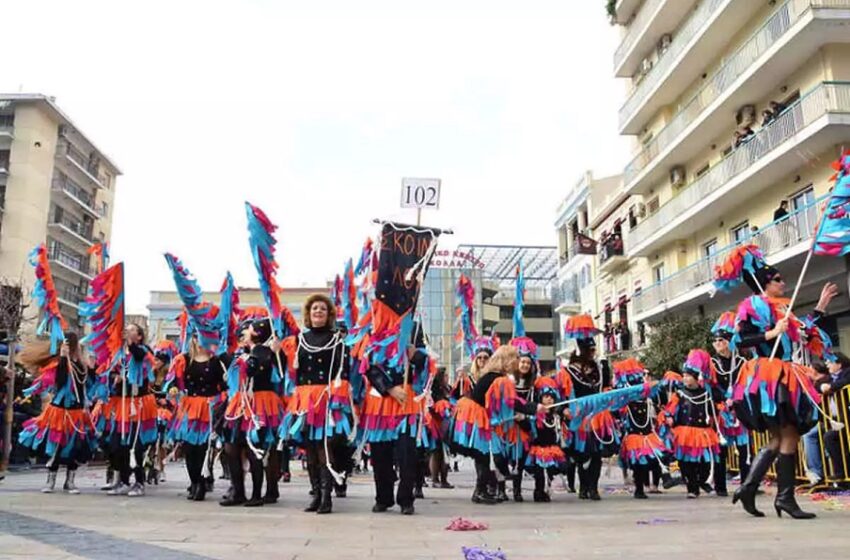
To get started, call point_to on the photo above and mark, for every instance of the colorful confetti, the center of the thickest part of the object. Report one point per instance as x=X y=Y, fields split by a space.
x=461 y=524
x=475 y=553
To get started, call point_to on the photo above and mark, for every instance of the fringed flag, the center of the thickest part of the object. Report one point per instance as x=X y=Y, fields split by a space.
x=406 y=252
x=47 y=299
x=746 y=259
x=833 y=235
x=104 y=312
x=186 y=330
x=336 y=295
x=348 y=297
x=101 y=252
x=465 y=297
x=228 y=314
x=263 y=243
x=202 y=315
x=585 y=407
x=365 y=262
x=763 y=313
x=519 y=303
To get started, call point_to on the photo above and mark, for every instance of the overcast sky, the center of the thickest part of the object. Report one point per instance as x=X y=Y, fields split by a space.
x=315 y=111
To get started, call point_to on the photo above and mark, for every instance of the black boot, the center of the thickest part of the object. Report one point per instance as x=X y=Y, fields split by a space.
x=501 y=494
x=481 y=496
x=518 y=488
x=193 y=488
x=200 y=493
x=746 y=493
x=237 y=482
x=786 y=479
x=326 y=484
x=341 y=490
x=312 y=471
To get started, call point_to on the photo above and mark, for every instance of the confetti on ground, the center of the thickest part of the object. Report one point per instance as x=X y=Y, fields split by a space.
x=475 y=553
x=461 y=524
x=657 y=521
x=833 y=501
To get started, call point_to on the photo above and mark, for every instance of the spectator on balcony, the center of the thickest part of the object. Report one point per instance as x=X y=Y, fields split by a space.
x=839 y=378
x=767 y=117
x=781 y=213
x=783 y=224
x=777 y=108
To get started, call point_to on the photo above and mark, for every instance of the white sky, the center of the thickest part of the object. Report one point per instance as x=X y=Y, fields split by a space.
x=314 y=111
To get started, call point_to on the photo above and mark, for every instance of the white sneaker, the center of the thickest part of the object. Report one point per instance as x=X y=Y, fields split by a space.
x=120 y=489
x=69 y=485
x=136 y=491
x=162 y=476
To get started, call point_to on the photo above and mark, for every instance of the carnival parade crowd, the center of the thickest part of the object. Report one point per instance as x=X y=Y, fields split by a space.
x=256 y=385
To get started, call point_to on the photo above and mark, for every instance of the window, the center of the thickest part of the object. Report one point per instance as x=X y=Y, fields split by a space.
x=710 y=248
x=702 y=171
x=632 y=218
x=536 y=312
x=740 y=233
x=506 y=311
x=727 y=150
x=542 y=339
x=104 y=209
x=658 y=272
x=652 y=206
x=804 y=213
x=7 y=121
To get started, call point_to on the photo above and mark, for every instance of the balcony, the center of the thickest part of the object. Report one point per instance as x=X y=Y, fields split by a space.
x=566 y=296
x=624 y=9
x=76 y=194
x=7 y=133
x=75 y=229
x=69 y=260
x=612 y=254
x=780 y=46
x=818 y=121
x=778 y=241
x=703 y=34
x=654 y=19
x=79 y=161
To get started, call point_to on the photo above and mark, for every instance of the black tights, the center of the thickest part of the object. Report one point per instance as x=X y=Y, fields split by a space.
x=695 y=475
x=237 y=473
x=571 y=474
x=71 y=466
x=655 y=471
x=120 y=461
x=641 y=476
x=385 y=456
x=195 y=456
x=589 y=472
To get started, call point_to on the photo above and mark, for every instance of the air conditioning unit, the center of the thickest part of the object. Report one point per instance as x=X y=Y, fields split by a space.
x=645 y=66
x=746 y=115
x=664 y=43
x=677 y=176
x=641 y=210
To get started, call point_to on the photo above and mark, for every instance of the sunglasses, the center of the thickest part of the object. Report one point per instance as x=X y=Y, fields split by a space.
x=776 y=279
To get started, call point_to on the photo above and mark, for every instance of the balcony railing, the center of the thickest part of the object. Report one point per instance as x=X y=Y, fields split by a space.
x=636 y=29
x=825 y=98
x=695 y=23
x=69 y=258
x=566 y=292
x=77 y=227
x=87 y=164
x=759 y=42
x=611 y=247
x=774 y=237
x=63 y=183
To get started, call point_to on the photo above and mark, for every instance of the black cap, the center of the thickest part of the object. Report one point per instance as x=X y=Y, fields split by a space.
x=763 y=275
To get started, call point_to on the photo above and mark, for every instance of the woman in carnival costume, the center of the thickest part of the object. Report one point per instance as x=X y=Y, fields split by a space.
x=493 y=403
x=254 y=416
x=545 y=457
x=439 y=412
x=63 y=432
x=519 y=436
x=199 y=377
x=773 y=391
x=691 y=414
x=727 y=364
x=584 y=376
x=642 y=449
x=319 y=414
x=134 y=413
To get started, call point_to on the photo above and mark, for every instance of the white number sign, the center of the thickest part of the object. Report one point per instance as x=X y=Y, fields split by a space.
x=420 y=193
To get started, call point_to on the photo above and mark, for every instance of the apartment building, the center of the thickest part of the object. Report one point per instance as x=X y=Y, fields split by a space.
x=734 y=106
x=56 y=187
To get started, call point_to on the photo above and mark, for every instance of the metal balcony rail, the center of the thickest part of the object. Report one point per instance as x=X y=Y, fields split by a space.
x=636 y=28
x=759 y=42
x=826 y=98
x=798 y=226
x=695 y=23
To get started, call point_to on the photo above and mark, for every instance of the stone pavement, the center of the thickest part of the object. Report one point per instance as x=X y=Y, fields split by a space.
x=164 y=525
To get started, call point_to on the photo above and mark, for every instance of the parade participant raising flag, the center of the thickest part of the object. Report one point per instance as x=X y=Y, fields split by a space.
x=46 y=298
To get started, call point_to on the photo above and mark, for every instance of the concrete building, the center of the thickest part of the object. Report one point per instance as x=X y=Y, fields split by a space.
x=165 y=306
x=575 y=289
x=56 y=187
x=734 y=106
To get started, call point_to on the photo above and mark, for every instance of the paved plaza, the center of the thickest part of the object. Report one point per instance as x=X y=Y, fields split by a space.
x=164 y=525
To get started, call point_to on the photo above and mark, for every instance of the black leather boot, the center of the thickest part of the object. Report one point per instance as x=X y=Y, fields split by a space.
x=314 y=488
x=746 y=493
x=326 y=485
x=481 y=496
x=501 y=494
x=786 y=479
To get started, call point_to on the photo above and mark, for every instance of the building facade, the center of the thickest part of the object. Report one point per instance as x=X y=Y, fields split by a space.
x=165 y=306
x=56 y=187
x=734 y=106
